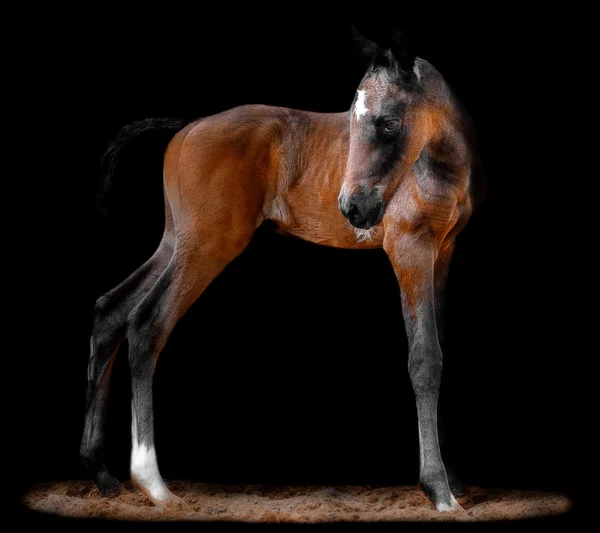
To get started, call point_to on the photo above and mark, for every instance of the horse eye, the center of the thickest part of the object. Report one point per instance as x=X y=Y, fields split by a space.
x=391 y=126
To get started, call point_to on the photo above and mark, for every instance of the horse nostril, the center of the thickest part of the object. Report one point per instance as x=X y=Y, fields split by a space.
x=352 y=210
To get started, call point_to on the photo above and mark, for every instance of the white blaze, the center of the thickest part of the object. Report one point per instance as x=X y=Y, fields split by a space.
x=360 y=108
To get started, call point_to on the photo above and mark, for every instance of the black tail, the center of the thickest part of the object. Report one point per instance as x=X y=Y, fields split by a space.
x=111 y=157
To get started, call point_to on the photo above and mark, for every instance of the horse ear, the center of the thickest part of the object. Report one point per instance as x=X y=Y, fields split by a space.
x=365 y=47
x=402 y=48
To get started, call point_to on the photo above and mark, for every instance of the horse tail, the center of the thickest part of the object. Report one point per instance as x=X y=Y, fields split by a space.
x=113 y=154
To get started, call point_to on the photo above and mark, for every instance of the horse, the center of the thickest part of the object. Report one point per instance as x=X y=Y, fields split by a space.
x=398 y=171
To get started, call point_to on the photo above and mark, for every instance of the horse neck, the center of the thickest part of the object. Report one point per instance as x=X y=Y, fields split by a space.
x=316 y=149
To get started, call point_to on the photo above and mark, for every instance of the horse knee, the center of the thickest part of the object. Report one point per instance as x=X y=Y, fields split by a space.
x=425 y=370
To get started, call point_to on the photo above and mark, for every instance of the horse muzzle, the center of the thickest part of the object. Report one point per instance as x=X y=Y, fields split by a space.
x=363 y=209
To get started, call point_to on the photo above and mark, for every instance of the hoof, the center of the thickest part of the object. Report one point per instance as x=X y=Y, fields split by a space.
x=437 y=488
x=164 y=499
x=108 y=485
x=450 y=507
x=175 y=503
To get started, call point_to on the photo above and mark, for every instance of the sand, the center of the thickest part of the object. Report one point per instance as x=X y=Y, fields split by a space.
x=259 y=503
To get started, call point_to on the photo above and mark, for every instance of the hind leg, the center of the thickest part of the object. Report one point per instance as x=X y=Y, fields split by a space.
x=194 y=265
x=108 y=332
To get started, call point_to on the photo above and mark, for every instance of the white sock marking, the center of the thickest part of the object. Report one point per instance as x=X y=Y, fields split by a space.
x=360 y=108
x=144 y=467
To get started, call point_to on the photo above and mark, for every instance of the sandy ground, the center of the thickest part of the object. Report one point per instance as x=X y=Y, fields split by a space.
x=259 y=503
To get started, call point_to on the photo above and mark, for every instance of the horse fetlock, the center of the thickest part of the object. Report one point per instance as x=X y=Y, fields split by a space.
x=153 y=487
x=91 y=456
x=108 y=485
x=145 y=474
x=437 y=488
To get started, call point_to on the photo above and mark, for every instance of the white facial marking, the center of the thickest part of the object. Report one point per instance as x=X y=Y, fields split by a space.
x=144 y=468
x=360 y=108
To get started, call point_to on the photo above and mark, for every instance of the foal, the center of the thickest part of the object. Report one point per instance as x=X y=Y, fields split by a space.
x=399 y=171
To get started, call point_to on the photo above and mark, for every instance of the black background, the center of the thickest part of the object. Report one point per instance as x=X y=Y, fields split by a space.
x=291 y=368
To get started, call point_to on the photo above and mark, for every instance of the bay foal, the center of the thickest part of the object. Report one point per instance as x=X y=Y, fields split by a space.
x=398 y=171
